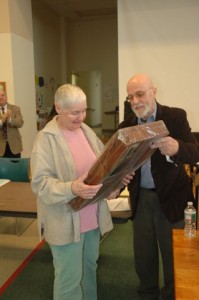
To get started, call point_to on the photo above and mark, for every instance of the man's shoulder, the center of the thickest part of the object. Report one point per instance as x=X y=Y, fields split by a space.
x=131 y=120
x=13 y=106
x=171 y=110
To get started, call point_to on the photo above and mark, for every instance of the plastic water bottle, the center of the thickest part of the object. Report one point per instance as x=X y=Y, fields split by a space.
x=190 y=220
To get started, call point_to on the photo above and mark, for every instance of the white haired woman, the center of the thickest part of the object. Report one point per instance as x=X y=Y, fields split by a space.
x=63 y=153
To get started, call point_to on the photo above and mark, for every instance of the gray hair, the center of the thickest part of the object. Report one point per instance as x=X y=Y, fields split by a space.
x=68 y=95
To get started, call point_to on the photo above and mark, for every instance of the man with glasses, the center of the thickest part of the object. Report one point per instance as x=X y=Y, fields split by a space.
x=160 y=189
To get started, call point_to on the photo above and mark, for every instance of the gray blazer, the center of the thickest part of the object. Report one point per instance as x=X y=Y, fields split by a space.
x=53 y=169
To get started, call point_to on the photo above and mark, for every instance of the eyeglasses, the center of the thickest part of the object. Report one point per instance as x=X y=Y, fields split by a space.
x=138 y=94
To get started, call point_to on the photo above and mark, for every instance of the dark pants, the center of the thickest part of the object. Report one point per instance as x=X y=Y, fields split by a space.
x=152 y=232
x=8 y=152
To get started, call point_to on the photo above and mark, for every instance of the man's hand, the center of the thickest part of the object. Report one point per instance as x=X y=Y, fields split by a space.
x=166 y=145
x=4 y=117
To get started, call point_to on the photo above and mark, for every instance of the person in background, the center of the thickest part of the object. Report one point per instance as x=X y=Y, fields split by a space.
x=127 y=109
x=49 y=117
x=10 y=121
x=63 y=152
x=160 y=189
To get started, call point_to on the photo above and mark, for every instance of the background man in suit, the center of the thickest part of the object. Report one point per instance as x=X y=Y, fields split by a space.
x=160 y=189
x=10 y=120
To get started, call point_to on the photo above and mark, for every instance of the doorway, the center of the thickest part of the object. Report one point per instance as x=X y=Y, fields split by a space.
x=90 y=83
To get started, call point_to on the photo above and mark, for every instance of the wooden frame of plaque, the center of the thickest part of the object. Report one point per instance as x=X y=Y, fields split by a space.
x=125 y=152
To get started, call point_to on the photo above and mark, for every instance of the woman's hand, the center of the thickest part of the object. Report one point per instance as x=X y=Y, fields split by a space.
x=113 y=194
x=85 y=191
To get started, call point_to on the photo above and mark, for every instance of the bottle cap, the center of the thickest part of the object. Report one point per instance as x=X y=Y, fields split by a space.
x=190 y=203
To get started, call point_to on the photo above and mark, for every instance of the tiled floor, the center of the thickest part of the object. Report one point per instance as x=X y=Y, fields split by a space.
x=15 y=249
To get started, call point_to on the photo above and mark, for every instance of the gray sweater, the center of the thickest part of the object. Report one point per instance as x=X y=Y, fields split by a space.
x=53 y=170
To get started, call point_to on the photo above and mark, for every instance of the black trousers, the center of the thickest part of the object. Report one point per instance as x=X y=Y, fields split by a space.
x=153 y=234
x=8 y=152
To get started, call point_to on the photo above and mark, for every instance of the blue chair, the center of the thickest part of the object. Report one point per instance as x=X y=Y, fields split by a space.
x=15 y=169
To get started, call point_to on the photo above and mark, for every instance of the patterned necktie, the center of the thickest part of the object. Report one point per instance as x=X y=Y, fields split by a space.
x=4 y=126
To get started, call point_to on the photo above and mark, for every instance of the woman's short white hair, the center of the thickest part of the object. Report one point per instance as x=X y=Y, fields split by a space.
x=68 y=95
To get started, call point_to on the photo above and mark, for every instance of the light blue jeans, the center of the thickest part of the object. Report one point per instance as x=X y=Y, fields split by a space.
x=75 y=268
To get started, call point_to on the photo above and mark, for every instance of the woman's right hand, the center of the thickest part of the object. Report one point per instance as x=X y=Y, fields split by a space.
x=85 y=191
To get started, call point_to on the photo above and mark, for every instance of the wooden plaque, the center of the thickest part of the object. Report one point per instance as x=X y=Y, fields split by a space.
x=125 y=152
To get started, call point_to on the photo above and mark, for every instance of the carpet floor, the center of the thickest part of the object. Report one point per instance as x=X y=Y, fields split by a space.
x=116 y=275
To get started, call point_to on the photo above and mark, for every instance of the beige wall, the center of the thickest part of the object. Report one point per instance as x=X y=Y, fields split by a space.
x=17 y=63
x=61 y=48
x=47 y=50
x=93 y=47
x=21 y=18
x=4 y=17
x=36 y=41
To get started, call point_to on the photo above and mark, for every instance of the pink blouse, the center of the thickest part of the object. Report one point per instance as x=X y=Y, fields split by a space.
x=84 y=158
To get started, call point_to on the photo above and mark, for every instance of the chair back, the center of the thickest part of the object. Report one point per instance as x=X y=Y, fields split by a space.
x=15 y=169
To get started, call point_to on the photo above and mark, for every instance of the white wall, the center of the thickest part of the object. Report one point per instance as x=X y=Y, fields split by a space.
x=161 y=38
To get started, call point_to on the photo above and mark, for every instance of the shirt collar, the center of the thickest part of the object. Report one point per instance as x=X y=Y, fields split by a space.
x=4 y=106
x=151 y=118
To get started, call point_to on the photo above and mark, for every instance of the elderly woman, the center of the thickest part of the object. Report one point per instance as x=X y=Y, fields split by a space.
x=63 y=153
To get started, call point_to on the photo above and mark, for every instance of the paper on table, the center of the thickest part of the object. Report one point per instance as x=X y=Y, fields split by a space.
x=119 y=204
x=4 y=181
x=124 y=193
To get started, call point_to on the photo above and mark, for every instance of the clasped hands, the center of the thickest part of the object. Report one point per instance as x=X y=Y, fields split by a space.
x=85 y=191
x=6 y=116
